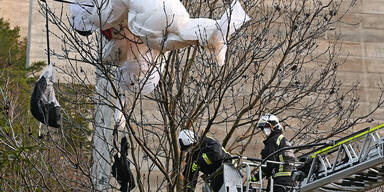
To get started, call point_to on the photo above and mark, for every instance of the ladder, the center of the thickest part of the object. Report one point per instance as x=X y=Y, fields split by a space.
x=352 y=163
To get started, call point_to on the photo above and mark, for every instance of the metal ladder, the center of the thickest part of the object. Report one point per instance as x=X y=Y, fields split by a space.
x=237 y=178
x=354 y=163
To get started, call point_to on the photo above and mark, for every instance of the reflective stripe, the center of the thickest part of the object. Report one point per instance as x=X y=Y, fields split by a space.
x=281 y=159
x=206 y=159
x=281 y=174
x=235 y=163
x=281 y=166
x=194 y=167
x=279 y=140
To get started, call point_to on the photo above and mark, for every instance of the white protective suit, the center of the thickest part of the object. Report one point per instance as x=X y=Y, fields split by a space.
x=139 y=66
x=162 y=25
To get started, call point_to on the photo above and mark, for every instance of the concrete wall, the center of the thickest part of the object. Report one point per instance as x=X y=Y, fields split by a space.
x=17 y=13
x=363 y=46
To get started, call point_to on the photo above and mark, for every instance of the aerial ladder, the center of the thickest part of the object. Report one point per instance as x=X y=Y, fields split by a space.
x=352 y=163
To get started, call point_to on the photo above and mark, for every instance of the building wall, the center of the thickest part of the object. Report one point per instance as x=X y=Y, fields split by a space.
x=17 y=13
x=364 y=50
x=362 y=33
x=363 y=43
x=363 y=46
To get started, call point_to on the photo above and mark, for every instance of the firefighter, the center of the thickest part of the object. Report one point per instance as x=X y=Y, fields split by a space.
x=207 y=158
x=275 y=140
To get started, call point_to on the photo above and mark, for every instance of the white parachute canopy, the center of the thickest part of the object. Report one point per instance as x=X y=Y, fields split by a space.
x=43 y=104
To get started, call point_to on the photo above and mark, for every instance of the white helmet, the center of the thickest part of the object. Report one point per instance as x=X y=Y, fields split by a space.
x=186 y=139
x=268 y=119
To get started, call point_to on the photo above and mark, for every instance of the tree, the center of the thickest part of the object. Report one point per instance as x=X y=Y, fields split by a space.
x=12 y=49
x=17 y=147
x=274 y=64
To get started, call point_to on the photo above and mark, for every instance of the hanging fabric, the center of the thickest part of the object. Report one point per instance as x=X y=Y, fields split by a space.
x=43 y=104
x=120 y=168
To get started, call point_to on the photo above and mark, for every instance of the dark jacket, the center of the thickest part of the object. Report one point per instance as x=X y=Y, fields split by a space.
x=207 y=159
x=280 y=173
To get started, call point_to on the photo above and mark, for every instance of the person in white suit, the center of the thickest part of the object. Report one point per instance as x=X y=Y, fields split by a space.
x=163 y=25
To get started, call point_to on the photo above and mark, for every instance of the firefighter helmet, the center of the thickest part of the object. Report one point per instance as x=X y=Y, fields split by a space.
x=186 y=139
x=268 y=119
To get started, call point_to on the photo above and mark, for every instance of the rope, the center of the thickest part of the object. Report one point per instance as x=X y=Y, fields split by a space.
x=47 y=31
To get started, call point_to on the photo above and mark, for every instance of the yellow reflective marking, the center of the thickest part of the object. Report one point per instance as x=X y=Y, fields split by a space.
x=194 y=167
x=349 y=139
x=206 y=159
x=279 y=140
x=280 y=174
x=281 y=167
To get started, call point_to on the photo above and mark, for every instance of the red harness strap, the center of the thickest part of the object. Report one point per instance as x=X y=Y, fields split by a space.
x=107 y=33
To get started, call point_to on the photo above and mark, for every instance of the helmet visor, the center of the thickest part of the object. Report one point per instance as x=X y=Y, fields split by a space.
x=182 y=146
x=262 y=125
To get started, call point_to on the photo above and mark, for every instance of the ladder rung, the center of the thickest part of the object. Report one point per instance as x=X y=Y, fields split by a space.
x=354 y=163
x=379 y=173
x=337 y=187
x=367 y=174
x=351 y=183
x=366 y=178
x=380 y=169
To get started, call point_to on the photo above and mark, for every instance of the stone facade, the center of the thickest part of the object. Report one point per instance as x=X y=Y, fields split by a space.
x=362 y=33
x=363 y=43
x=363 y=46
